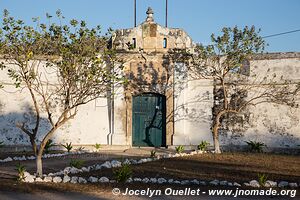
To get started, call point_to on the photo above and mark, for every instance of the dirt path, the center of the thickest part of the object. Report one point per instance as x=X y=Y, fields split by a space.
x=77 y=196
x=8 y=170
x=47 y=196
x=227 y=166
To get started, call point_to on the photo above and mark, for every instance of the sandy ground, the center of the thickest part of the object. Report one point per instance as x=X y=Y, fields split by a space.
x=8 y=170
x=11 y=190
x=76 y=196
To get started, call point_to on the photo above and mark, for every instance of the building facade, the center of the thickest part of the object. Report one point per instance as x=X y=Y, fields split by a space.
x=162 y=105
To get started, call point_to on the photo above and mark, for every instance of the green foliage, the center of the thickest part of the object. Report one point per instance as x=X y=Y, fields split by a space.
x=81 y=70
x=68 y=146
x=21 y=170
x=256 y=146
x=81 y=148
x=203 y=145
x=48 y=146
x=75 y=52
x=153 y=154
x=262 y=179
x=223 y=61
x=123 y=173
x=1 y=144
x=130 y=46
x=97 y=146
x=76 y=163
x=179 y=149
x=237 y=44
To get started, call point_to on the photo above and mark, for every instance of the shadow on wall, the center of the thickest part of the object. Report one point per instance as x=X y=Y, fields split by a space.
x=274 y=136
x=10 y=134
x=190 y=110
x=154 y=77
x=146 y=77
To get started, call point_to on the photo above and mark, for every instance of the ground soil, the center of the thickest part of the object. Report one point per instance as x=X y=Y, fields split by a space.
x=239 y=167
x=8 y=169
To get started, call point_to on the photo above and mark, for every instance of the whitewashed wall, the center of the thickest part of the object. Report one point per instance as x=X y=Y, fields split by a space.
x=278 y=126
x=89 y=126
x=275 y=125
x=193 y=104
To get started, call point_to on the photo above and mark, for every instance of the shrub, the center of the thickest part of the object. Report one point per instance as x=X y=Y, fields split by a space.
x=203 y=145
x=81 y=148
x=262 y=179
x=48 y=146
x=21 y=170
x=152 y=153
x=123 y=173
x=179 y=149
x=97 y=146
x=68 y=146
x=76 y=163
x=256 y=146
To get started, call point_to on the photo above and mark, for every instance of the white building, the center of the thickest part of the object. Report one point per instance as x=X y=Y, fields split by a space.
x=162 y=106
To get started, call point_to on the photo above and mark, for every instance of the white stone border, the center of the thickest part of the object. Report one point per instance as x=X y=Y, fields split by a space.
x=56 y=177
x=22 y=158
x=81 y=180
x=116 y=163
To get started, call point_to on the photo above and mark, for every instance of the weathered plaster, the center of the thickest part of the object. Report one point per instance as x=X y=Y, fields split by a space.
x=148 y=67
x=190 y=102
x=276 y=125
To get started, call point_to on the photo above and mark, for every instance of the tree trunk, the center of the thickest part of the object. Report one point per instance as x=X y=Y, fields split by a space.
x=62 y=120
x=216 y=131
x=33 y=145
x=39 y=165
x=216 y=137
x=216 y=127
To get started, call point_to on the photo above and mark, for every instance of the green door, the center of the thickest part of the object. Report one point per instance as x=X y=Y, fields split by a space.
x=149 y=120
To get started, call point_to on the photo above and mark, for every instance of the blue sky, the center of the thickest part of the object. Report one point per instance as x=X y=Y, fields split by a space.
x=199 y=18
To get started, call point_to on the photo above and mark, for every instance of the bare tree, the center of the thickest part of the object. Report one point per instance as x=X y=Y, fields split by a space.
x=61 y=66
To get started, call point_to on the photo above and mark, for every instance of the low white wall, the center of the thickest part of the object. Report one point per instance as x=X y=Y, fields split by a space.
x=278 y=126
x=193 y=111
x=90 y=125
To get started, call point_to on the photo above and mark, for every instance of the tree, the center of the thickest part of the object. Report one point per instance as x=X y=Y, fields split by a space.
x=61 y=66
x=235 y=88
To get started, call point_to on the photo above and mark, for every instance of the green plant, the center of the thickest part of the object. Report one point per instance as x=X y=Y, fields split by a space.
x=262 y=179
x=256 y=146
x=203 y=145
x=81 y=148
x=97 y=146
x=68 y=146
x=76 y=163
x=81 y=70
x=152 y=153
x=48 y=145
x=123 y=173
x=21 y=171
x=179 y=149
